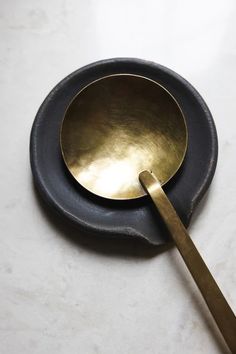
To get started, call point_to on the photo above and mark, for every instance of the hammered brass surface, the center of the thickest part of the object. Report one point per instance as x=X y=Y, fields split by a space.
x=118 y=126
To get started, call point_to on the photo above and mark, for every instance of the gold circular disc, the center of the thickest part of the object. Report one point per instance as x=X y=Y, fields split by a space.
x=117 y=127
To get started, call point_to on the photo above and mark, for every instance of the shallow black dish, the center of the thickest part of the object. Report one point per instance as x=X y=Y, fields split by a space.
x=133 y=219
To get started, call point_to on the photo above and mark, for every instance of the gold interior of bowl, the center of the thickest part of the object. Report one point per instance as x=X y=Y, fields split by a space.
x=118 y=126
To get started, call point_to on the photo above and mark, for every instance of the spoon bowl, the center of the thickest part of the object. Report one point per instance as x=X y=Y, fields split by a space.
x=118 y=126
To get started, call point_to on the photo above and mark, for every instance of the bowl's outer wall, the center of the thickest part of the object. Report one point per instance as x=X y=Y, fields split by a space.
x=138 y=218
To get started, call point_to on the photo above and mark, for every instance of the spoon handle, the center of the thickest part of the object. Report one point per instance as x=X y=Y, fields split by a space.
x=216 y=302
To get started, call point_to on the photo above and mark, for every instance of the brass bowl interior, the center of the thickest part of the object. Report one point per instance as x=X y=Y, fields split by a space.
x=117 y=127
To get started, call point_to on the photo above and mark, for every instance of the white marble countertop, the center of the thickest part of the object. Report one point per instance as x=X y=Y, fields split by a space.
x=60 y=296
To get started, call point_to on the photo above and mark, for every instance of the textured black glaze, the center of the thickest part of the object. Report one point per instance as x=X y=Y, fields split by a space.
x=98 y=216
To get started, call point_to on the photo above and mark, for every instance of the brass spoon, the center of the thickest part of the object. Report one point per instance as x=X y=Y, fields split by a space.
x=124 y=128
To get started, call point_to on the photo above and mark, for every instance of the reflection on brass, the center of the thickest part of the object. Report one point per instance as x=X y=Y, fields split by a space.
x=118 y=126
x=212 y=294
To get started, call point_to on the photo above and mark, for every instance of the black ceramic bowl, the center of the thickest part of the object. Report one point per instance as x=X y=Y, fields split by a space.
x=132 y=219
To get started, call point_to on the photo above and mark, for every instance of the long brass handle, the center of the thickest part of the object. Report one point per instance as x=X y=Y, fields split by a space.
x=216 y=302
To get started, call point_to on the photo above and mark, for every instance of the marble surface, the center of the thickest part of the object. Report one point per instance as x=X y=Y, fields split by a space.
x=59 y=292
